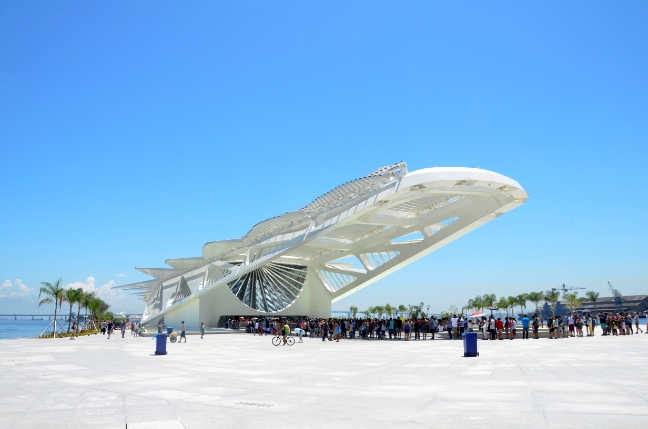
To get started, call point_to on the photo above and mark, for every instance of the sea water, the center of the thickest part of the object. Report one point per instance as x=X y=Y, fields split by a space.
x=23 y=328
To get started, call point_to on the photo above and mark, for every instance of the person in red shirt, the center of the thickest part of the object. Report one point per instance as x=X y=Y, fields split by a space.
x=500 y=327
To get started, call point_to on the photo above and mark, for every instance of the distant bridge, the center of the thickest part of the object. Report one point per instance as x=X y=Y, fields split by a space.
x=34 y=316
x=59 y=316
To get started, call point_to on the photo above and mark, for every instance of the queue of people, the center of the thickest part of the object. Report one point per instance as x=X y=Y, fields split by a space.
x=351 y=328
x=424 y=328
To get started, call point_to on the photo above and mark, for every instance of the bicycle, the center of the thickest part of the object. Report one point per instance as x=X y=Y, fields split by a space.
x=278 y=339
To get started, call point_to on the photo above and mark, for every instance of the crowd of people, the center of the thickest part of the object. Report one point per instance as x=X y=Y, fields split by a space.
x=424 y=328
x=109 y=326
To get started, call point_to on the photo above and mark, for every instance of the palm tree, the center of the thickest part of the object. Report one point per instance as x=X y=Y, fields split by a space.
x=521 y=301
x=503 y=304
x=380 y=310
x=389 y=310
x=552 y=297
x=402 y=309
x=478 y=303
x=54 y=294
x=353 y=310
x=573 y=301
x=98 y=307
x=512 y=303
x=536 y=298
x=86 y=300
x=592 y=297
x=469 y=305
x=71 y=298
x=79 y=301
x=489 y=301
x=93 y=305
x=415 y=310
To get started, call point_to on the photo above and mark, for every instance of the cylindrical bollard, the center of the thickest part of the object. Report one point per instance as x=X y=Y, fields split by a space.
x=160 y=344
x=169 y=330
x=470 y=344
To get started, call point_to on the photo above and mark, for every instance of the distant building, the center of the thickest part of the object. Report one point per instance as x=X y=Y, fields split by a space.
x=608 y=304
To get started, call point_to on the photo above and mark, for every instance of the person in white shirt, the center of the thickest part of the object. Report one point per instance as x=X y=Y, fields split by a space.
x=484 y=324
x=570 y=322
x=455 y=329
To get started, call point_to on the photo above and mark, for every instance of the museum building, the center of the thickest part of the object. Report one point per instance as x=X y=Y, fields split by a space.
x=299 y=263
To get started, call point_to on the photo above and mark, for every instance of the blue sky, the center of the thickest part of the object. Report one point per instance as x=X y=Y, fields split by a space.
x=133 y=132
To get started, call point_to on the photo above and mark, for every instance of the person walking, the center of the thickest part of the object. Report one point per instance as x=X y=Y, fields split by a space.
x=74 y=328
x=122 y=327
x=109 y=327
x=325 y=334
x=337 y=332
x=103 y=327
x=160 y=327
x=183 y=333
x=536 y=324
x=202 y=330
x=636 y=320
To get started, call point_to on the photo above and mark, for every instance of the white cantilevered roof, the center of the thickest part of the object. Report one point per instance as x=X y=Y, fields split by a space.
x=363 y=218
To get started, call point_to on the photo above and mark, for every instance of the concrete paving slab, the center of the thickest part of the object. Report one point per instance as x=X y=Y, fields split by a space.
x=241 y=381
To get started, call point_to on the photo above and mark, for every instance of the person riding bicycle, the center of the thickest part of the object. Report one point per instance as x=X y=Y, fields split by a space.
x=285 y=331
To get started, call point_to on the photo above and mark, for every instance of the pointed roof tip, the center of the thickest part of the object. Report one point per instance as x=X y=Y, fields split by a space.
x=185 y=263
x=215 y=248
x=158 y=273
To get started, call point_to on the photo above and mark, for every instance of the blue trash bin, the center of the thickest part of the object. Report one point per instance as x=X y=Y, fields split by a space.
x=169 y=330
x=470 y=344
x=160 y=344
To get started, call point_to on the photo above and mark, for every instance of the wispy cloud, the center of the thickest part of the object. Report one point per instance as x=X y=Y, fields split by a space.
x=16 y=289
x=105 y=291
x=122 y=275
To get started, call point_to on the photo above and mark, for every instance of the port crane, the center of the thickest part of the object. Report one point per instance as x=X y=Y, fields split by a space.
x=618 y=298
x=564 y=289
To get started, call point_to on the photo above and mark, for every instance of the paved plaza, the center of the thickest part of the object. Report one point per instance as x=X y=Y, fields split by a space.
x=241 y=381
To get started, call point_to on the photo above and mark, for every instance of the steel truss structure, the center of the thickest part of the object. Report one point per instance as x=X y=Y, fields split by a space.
x=342 y=241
